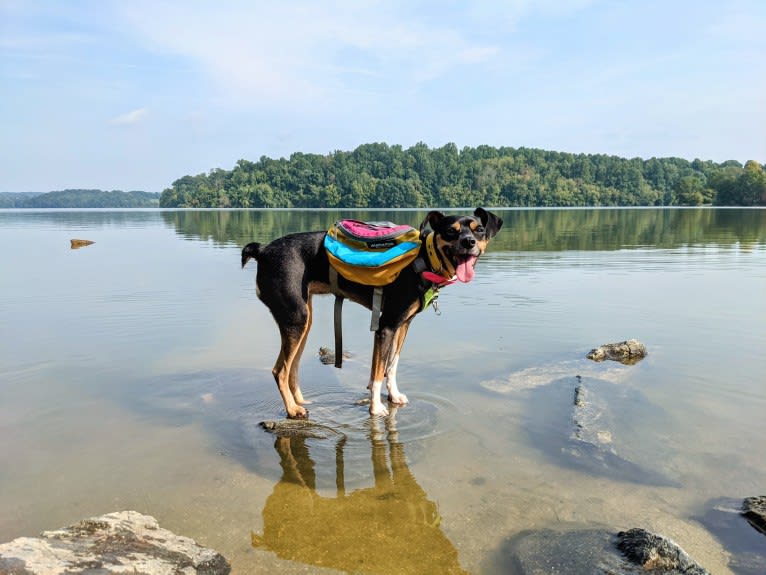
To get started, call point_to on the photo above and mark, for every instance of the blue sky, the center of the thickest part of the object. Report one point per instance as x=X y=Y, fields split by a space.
x=135 y=94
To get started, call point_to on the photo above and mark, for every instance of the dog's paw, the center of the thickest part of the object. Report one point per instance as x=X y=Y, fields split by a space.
x=398 y=398
x=378 y=409
x=298 y=413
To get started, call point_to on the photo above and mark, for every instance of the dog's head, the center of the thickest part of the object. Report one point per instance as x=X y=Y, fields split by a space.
x=460 y=240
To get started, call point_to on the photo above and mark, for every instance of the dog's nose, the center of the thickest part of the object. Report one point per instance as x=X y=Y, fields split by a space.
x=468 y=242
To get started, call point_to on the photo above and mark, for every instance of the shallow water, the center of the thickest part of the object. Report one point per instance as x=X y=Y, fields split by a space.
x=134 y=373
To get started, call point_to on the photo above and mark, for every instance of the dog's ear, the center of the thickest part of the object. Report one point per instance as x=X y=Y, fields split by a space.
x=432 y=219
x=490 y=221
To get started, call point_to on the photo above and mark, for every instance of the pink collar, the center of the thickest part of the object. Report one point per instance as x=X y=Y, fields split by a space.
x=440 y=281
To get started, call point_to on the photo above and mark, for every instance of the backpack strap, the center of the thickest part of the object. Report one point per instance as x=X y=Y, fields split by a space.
x=337 y=317
x=377 y=308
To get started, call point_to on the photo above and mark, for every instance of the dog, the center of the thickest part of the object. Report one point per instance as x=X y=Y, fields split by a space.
x=295 y=267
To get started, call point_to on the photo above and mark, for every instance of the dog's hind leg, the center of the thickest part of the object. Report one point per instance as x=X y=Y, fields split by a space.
x=394 y=395
x=293 y=338
x=295 y=387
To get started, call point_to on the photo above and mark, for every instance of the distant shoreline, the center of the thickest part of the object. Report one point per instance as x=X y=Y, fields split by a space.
x=79 y=199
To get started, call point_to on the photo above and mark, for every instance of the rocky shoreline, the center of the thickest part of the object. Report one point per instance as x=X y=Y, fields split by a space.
x=130 y=542
x=121 y=542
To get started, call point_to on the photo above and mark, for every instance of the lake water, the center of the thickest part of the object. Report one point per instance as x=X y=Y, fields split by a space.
x=134 y=373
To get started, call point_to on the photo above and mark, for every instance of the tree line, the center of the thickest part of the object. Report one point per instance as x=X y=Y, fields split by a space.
x=382 y=176
x=80 y=199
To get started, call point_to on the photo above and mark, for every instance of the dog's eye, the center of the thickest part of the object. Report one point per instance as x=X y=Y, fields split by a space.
x=450 y=233
x=479 y=229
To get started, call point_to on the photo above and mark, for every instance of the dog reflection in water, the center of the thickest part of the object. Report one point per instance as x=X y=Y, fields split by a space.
x=390 y=527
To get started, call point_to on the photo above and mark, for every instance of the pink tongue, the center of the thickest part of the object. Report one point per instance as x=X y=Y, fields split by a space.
x=465 y=271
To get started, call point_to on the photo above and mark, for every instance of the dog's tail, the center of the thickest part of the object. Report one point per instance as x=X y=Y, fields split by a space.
x=250 y=251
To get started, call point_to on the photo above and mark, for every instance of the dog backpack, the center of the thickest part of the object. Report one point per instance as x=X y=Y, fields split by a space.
x=371 y=253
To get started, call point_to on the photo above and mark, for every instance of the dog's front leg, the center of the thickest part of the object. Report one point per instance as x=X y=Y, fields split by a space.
x=381 y=351
x=394 y=395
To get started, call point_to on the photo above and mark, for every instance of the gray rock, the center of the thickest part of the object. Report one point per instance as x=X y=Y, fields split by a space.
x=592 y=552
x=122 y=542
x=628 y=352
x=754 y=510
x=327 y=355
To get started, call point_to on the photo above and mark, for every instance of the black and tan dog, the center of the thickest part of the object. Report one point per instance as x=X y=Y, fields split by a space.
x=293 y=268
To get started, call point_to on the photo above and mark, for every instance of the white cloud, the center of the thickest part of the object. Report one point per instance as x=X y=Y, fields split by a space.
x=297 y=52
x=132 y=117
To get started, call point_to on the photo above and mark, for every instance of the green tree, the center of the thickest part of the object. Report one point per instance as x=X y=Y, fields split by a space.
x=691 y=191
x=752 y=184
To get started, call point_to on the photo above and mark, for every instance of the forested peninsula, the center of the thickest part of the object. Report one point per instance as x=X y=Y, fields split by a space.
x=382 y=176
x=80 y=199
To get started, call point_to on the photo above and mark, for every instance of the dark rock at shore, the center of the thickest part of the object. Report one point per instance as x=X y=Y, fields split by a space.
x=656 y=553
x=592 y=552
x=754 y=510
x=628 y=352
x=726 y=519
x=122 y=542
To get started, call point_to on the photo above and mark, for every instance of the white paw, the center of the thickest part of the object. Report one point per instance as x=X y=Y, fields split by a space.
x=377 y=408
x=398 y=398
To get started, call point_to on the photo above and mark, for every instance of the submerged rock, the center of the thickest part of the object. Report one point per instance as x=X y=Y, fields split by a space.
x=300 y=428
x=122 y=542
x=628 y=352
x=593 y=552
x=601 y=430
x=590 y=419
x=539 y=376
x=77 y=244
x=327 y=356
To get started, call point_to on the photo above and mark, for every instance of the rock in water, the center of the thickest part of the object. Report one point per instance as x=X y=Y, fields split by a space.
x=656 y=553
x=628 y=352
x=592 y=552
x=754 y=510
x=301 y=428
x=122 y=542
x=327 y=356
x=77 y=244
